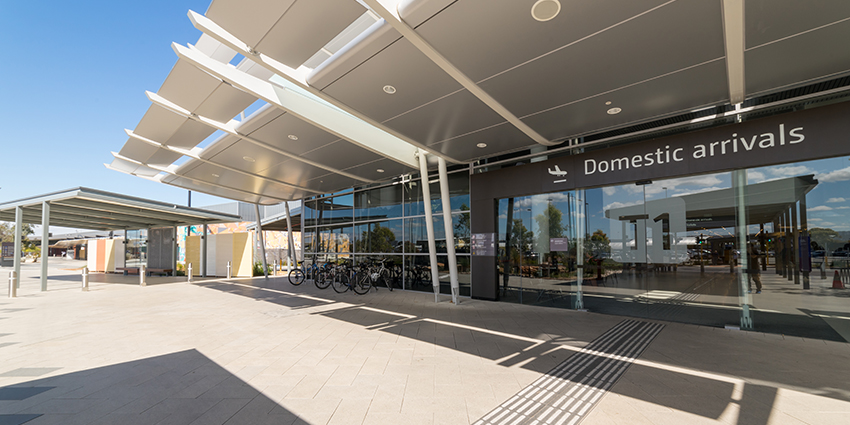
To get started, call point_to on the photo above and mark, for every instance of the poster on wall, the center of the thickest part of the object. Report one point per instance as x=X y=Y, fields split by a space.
x=484 y=244
x=559 y=244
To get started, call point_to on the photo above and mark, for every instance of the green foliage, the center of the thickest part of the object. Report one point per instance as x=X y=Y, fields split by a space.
x=258 y=269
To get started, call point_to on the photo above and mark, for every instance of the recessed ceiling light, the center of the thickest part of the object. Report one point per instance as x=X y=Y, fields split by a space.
x=615 y=111
x=380 y=170
x=481 y=145
x=215 y=175
x=389 y=89
x=608 y=102
x=545 y=10
x=248 y=158
x=292 y=137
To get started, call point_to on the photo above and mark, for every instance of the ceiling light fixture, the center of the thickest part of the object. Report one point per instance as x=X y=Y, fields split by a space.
x=608 y=102
x=215 y=175
x=481 y=145
x=249 y=159
x=292 y=137
x=615 y=111
x=380 y=170
x=389 y=89
x=545 y=10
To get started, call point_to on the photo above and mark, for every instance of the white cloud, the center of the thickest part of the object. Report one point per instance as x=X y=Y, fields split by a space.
x=835 y=176
x=827 y=224
x=842 y=208
x=790 y=171
x=815 y=219
x=755 y=177
x=835 y=200
x=610 y=190
x=820 y=208
x=620 y=205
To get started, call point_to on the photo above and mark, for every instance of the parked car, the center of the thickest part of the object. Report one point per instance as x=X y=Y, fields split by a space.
x=841 y=252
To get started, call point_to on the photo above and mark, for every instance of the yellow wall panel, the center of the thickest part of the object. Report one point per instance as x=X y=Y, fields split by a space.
x=242 y=257
x=193 y=254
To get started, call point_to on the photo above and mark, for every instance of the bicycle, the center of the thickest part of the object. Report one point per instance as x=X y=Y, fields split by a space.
x=349 y=273
x=298 y=274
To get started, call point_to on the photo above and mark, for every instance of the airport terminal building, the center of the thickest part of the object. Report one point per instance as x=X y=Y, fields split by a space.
x=681 y=160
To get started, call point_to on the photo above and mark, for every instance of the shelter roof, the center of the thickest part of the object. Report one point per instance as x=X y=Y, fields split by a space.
x=85 y=208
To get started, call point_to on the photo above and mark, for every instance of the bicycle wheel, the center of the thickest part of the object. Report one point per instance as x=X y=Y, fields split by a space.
x=296 y=276
x=385 y=277
x=323 y=280
x=363 y=285
x=340 y=282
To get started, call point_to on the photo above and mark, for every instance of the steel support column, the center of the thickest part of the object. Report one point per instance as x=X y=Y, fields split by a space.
x=204 y=251
x=19 y=224
x=261 y=240
x=290 y=238
x=447 y=221
x=429 y=224
x=174 y=251
x=45 y=242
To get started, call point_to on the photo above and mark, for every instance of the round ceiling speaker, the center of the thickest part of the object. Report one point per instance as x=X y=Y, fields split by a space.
x=545 y=10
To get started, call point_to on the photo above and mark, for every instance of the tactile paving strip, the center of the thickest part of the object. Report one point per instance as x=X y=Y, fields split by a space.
x=566 y=394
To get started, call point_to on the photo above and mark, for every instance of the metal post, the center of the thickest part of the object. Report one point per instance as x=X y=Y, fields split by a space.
x=174 y=251
x=85 y=279
x=45 y=242
x=261 y=240
x=19 y=224
x=290 y=238
x=13 y=284
x=739 y=185
x=447 y=222
x=429 y=224
x=189 y=272
x=142 y=275
x=581 y=208
x=795 y=256
x=204 y=252
x=229 y=274
x=804 y=234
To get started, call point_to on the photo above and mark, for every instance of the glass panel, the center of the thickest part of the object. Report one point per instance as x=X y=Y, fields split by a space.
x=537 y=250
x=309 y=240
x=135 y=254
x=458 y=195
x=378 y=237
x=417 y=273
x=334 y=239
x=384 y=202
x=665 y=250
x=798 y=218
x=310 y=215
x=336 y=210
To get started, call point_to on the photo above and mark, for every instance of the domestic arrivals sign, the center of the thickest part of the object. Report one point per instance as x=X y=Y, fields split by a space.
x=800 y=136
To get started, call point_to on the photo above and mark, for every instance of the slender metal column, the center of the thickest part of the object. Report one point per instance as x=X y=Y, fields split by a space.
x=580 y=241
x=174 y=251
x=19 y=223
x=290 y=237
x=450 y=234
x=429 y=224
x=739 y=185
x=45 y=242
x=204 y=251
x=804 y=234
x=795 y=256
x=261 y=240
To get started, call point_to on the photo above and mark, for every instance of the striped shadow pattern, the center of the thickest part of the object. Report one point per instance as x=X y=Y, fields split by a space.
x=566 y=394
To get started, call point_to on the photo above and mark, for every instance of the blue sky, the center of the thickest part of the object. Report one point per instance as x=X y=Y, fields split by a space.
x=74 y=77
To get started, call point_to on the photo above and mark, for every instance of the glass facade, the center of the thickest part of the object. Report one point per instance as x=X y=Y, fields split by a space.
x=136 y=251
x=758 y=248
x=389 y=222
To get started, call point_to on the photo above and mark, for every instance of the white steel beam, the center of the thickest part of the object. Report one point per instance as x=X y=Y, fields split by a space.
x=429 y=225
x=293 y=260
x=230 y=128
x=438 y=59
x=312 y=110
x=210 y=28
x=197 y=157
x=447 y=222
x=167 y=171
x=261 y=240
x=733 y=31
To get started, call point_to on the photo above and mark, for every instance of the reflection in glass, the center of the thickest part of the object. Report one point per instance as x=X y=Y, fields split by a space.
x=383 y=202
x=378 y=237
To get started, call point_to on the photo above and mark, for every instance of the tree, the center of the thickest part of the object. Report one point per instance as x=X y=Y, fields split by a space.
x=598 y=244
x=550 y=223
x=378 y=239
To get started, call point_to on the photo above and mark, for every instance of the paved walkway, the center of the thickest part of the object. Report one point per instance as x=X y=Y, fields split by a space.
x=251 y=351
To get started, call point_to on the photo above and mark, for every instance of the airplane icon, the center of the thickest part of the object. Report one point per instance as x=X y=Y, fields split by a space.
x=557 y=172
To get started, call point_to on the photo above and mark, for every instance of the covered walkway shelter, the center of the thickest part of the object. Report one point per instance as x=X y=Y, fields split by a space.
x=85 y=208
